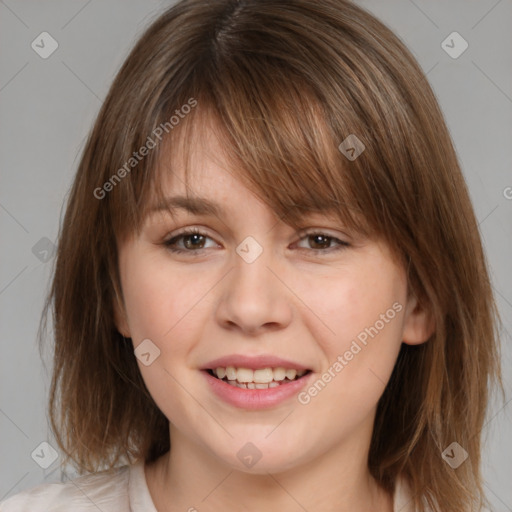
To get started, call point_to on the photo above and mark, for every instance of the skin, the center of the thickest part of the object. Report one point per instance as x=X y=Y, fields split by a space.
x=201 y=305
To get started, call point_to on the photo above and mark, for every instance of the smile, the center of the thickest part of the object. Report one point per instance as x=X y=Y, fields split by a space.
x=244 y=388
x=263 y=378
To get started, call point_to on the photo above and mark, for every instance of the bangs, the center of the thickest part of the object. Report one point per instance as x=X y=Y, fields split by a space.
x=280 y=109
x=274 y=137
x=281 y=86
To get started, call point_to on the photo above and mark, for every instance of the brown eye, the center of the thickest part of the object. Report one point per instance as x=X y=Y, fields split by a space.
x=319 y=241
x=322 y=242
x=193 y=241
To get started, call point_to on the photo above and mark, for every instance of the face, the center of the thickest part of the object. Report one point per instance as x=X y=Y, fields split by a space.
x=248 y=295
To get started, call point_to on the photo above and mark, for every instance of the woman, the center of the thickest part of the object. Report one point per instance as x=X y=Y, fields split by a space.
x=270 y=290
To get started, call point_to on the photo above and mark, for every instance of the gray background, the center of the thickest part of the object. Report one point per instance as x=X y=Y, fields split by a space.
x=48 y=105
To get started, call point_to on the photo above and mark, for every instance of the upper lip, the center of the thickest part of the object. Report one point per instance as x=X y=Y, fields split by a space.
x=253 y=362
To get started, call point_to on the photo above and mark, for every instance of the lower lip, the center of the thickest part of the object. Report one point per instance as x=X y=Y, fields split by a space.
x=255 y=398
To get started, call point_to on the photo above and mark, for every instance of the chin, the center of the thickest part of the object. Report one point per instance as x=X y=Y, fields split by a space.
x=263 y=467
x=260 y=458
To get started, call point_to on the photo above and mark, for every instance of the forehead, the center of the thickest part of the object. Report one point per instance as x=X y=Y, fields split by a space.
x=201 y=165
x=198 y=177
x=206 y=168
x=205 y=182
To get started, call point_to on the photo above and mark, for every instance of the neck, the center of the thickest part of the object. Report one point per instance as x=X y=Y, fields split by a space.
x=191 y=479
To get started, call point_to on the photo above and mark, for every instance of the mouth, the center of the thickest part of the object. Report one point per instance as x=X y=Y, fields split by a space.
x=262 y=378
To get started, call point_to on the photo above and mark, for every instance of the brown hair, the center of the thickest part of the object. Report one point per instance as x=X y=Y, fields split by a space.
x=286 y=82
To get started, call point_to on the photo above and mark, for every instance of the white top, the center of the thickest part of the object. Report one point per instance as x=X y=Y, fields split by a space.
x=121 y=489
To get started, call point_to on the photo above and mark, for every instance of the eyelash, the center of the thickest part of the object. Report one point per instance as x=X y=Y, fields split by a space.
x=170 y=244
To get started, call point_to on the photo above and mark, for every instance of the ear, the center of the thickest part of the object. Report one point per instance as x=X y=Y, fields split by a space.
x=419 y=323
x=120 y=319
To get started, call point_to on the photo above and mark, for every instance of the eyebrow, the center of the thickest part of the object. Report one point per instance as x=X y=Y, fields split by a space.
x=197 y=205
x=194 y=204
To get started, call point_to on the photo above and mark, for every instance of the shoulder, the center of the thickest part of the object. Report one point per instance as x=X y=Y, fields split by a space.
x=106 y=490
x=402 y=499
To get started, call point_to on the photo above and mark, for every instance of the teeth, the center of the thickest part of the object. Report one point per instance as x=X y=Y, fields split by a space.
x=230 y=373
x=279 y=374
x=257 y=379
x=291 y=374
x=244 y=375
x=263 y=376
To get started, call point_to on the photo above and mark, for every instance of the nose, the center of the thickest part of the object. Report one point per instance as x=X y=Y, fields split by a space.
x=254 y=298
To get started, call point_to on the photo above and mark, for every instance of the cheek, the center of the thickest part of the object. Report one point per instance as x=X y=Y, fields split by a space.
x=359 y=358
x=149 y=308
x=160 y=307
x=349 y=304
x=157 y=302
x=362 y=321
